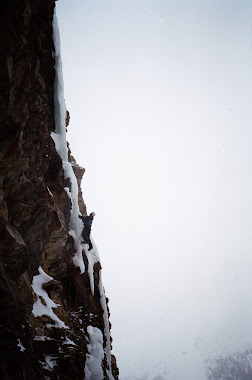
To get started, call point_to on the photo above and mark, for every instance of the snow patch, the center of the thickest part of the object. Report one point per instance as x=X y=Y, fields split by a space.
x=68 y=193
x=49 y=363
x=106 y=327
x=42 y=338
x=22 y=348
x=49 y=191
x=93 y=365
x=39 y=308
x=69 y=342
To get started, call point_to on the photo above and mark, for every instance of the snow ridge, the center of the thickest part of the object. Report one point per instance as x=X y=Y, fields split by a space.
x=59 y=137
x=106 y=326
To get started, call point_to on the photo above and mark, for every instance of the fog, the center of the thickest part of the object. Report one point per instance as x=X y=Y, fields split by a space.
x=159 y=94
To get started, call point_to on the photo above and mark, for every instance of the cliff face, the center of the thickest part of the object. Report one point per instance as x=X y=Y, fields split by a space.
x=53 y=311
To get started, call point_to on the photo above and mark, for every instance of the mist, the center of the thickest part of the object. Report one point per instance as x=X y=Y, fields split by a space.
x=159 y=94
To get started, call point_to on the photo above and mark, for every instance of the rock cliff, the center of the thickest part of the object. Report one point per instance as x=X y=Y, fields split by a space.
x=53 y=311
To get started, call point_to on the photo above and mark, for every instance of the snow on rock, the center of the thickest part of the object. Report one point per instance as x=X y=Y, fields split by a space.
x=49 y=363
x=93 y=366
x=22 y=348
x=59 y=137
x=106 y=327
x=69 y=342
x=49 y=191
x=42 y=338
x=93 y=257
x=39 y=308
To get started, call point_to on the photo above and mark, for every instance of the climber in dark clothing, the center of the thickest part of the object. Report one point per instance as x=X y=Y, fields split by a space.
x=87 y=221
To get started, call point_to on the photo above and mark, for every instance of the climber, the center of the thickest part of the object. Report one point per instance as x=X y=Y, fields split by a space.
x=87 y=221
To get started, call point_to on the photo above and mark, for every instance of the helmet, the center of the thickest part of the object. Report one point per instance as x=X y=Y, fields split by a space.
x=92 y=214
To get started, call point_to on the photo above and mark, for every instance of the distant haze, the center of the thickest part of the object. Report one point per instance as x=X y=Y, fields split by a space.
x=159 y=94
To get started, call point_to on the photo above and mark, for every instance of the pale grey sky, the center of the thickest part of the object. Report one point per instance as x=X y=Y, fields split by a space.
x=159 y=94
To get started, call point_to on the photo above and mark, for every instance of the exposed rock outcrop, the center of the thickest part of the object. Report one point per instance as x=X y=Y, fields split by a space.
x=37 y=271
